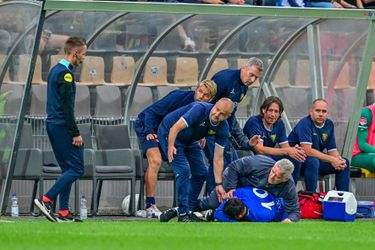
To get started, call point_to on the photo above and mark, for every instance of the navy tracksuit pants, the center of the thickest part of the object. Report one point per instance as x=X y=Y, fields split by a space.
x=312 y=168
x=189 y=168
x=70 y=159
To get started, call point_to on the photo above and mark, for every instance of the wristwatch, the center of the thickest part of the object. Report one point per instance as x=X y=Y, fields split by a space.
x=219 y=184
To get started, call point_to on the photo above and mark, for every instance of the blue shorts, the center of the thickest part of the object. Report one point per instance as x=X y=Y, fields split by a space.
x=163 y=142
x=144 y=144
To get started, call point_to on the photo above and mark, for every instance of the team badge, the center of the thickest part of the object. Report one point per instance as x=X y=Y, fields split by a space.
x=362 y=121
x=273 y=138
x=68 y=77
x=211 y=132
x=324 y=136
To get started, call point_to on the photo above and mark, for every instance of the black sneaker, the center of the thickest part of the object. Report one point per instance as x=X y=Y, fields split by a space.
x=189 y=217
x=67 y=218
x=168 y=215
x=46 y=209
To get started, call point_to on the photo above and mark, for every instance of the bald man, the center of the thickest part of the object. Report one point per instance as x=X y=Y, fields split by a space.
x=315 y=133
x=179 y=134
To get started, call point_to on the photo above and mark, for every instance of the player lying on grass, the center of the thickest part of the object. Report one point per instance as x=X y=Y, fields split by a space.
x=254 y=171
x=251 y=204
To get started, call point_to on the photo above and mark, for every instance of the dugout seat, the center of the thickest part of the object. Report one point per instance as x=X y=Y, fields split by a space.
x=108 y=105
x=122 y=74
x=92 y=71
x=82 y=104
x=114 y=160
x=29 y=159
x=186 y=73
x=142 y=99
x=23 y=70
x=155 y=75
x=122 y=71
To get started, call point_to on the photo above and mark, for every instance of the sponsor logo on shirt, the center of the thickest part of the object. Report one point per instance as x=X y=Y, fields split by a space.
x=363 y=121
x=324 y=136
x=202 y=124
x=273 y=137
x=68 y=77
x=211 y=132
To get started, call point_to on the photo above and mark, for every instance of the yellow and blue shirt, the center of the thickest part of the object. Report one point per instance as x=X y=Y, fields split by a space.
x=255 y=126
x=321 y=138
x=196 y=117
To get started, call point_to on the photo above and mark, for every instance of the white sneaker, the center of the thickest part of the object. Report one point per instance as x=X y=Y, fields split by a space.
x=153 y=212
x=199 y=215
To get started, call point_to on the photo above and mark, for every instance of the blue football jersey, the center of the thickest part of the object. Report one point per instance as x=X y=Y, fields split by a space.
x=262 y=206
x=153 y=114
x=255 y=126
x=196 y=117
x=229 y=85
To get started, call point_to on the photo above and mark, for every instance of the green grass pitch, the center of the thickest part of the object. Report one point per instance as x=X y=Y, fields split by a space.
x=97 y=234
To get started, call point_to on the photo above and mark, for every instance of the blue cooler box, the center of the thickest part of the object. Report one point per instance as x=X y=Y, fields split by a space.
x=366 y=209
x=339 y=206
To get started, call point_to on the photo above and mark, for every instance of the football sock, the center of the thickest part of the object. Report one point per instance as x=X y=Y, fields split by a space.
x=150 y=201
x=46 y=199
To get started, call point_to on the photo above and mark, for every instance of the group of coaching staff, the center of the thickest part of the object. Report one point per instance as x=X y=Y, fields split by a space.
x=179 y=137
x=177 y=128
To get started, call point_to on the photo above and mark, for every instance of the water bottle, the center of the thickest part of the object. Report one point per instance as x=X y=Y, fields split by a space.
x=151 y=214
x=141 y=213
x=14 y=205
x=83 y=208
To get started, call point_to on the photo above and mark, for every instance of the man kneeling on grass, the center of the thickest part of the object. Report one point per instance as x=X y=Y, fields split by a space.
x=257 y=171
